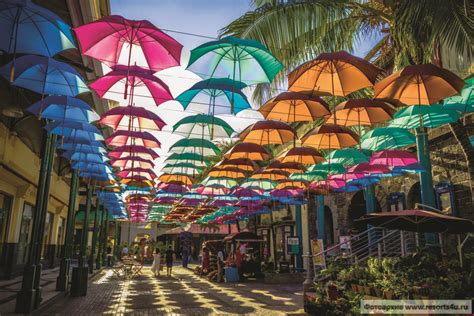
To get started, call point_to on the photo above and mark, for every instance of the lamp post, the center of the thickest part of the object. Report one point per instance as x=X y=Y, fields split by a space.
x=92 y=255
x=66 y=255
x=320 y=217
x=27 y=296
x=80 y=273
x=106 y=234
x=299 y=233
x=99 y=260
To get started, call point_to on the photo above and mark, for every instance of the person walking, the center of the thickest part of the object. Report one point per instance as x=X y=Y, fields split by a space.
x=220 y=266
x=155 y=267
x=169 y=256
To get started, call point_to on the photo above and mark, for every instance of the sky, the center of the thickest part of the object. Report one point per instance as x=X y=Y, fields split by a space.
x=176 y=17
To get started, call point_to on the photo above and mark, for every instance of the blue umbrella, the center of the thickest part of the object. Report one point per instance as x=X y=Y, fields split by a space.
x=74 y=130
x=27 y=28
x=414 y=168
x=64 y=109
x=45 y=76
x=92 y=167
x=86 y=149
x=88 y=157
x=68 y=143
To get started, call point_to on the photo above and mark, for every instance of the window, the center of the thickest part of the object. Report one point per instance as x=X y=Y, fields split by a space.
x=48 y=229
x=25 y=233
x=5 y=209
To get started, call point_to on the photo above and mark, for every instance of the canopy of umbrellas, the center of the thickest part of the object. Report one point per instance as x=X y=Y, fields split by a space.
x=354 y=145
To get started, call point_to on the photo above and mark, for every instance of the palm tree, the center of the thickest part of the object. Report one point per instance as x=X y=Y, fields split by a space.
x=406 y=31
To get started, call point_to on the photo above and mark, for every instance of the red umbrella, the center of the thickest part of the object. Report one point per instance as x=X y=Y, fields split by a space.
x=125 y=137
x=137 y=151
x=132 y=161
x=124 y=117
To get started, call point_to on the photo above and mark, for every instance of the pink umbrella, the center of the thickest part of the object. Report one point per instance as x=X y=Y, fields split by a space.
x=114 y=40
x=133 y=177
x=245 y=192
x=172 y=187
x=325 y=184
x=125 y=117
x=346 y=176
x=366 y=168
x=393 y=158
x=190 y=202
x=165 y=200
x=125 y=137
x=132 y=162
x=221 y=203
x=212 y=191
x=145 y=89
x=251 y=203
x=147 y=173
x=137 y=151
x=286 y=192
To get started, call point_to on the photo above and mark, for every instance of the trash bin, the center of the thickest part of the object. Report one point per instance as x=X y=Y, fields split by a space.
x=231 y=274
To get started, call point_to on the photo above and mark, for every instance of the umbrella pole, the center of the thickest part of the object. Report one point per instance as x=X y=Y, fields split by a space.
x=320 y=220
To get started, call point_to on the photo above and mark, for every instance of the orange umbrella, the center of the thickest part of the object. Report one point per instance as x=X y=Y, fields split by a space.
x=419 y=84
x=294 y=107
x=365 y=112
x=239 y=163
x=337 y=73
x=137 y=183
x=176 y=178
x=289 y=167
x=268 y=132
x=251 y=151
x=330 y=136
x=227 y=173
x=274 y=175
x=302 y=155
x=292 y=184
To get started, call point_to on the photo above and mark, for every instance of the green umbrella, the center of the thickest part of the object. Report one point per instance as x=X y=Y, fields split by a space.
x=309 y=176
x=193 y=158
x=382 y=138
x=219 y=182
x=424 y=116
x=257 y=184
x=325 y=167
x=239 y=59
x=203 y=147
x=182 y=168
x=203 y=126
x=215 y=96
x=347 y=156
x=463 y=102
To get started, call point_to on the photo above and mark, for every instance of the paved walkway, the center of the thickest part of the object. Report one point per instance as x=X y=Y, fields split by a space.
x=184 y=293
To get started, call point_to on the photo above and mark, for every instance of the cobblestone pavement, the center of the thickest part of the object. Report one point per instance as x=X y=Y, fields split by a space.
x=182 y=294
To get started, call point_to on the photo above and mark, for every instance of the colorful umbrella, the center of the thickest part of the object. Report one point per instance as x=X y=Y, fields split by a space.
x=182 y=168
x=75 y=130
x=175 y=178
x=192 y=158
x=463 y=102
x=382 y=138
x=147 y=173
x=368 y=169
x=234 y=173
x=215 y=96
x=115 y=40
x=302 y=155
x=250 y=151
x=347 y=156
x=258 y=184
x=63 y=108
x=126 y=117
x=88 y=157
x=292 y=184
x=393 y=158
x=143 y=87
x=240 y=59
x=212 y=190
x=219 y=182
x=424 y=116
x=245 y=192
x=202 y=147
x=327 y=168
x=204 y=126
x=133 y=150
x=239 y=163
x=308 y=176
x=362 y=112
x=132 y=161
x=274 y=175
x=330 y=136
x=294 y=107
x=267 y=132
x=125 y=137
x=289 y=167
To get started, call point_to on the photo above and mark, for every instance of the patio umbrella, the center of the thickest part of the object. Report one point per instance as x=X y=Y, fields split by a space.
x=132 y=161
x=63 y=108
x=115 y=40
x=419 y=221
x=330 y=136
x=382 y=138
x=124 y=117
x=133 y=150
x=302 y=155
x=199 y=146
x=337 y=73
x=45 y=76
x=126 y=137
x=239 y=59
x=416 y=116
x=215 y=96
x=27 y=28
x=204 y=126
x=143 y=87
x=393 y=158
x=175 y=178
x=347 y=156
x=267 y=132
x=193 y=158
x=294 y=107
x=250 y=151
x=362 y=112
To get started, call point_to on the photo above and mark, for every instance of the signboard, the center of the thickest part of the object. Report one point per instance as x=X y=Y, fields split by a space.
x=317 y=247
x=292 y=245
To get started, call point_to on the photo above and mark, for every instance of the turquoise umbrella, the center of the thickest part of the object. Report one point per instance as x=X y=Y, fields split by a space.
x=182 y=168
x=223 y=182
x=200 y=146
x=239 y=59
x=382 y=138
x=215 y=96
x=347 y=156
x=309 y=176
x=424 y=116
x=203 y=126
x=333 y=168
x=259 y=184
x=193 y=158
x=463 y=102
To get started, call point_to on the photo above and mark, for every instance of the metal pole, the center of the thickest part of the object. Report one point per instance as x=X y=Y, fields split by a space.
x=299 y=233
x=98 y=261
x=92 y=255
x=320 y=218
x=25 y=300
x=66 y=256
x=106 y=236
